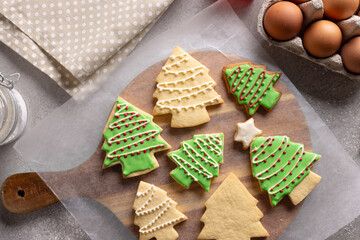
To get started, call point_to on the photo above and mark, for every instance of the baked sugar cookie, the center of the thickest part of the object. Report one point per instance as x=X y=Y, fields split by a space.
x=198 y=160
x=131 y=139
x=184 y=90
x=156 y=213
x=252 y=85
x=231 y=213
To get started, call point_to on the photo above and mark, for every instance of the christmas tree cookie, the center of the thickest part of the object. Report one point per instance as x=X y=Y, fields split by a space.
x=252 y=86
x=156 y=213
x=131 y=139
x=184 y=90
x=283 y=168
x=231 y=213
x=198 y=160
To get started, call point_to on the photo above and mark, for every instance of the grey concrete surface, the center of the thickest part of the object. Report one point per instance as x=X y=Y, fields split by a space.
x=333 y=96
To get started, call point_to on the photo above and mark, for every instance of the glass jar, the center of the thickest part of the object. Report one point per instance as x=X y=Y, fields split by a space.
x=13 y=111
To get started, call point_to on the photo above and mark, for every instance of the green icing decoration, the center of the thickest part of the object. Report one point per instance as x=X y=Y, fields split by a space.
x=253 y=86
x=280 y=165
x=198 y=160
x=130 y=138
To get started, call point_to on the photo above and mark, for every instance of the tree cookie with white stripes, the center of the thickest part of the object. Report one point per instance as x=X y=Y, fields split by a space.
x=156 y=213
x=184 y=90
x=198 y=160
x=131 y=139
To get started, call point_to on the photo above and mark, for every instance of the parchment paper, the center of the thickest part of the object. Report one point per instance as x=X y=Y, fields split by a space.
x=70 y=134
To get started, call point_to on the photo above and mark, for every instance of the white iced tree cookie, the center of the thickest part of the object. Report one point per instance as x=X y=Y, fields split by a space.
x=184 y=90
x=156 y=213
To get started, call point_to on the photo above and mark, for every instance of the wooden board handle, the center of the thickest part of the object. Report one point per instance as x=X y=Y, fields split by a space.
x=26 y=192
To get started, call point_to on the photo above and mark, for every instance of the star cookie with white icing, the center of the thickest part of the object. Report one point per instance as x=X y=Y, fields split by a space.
x=246 y=132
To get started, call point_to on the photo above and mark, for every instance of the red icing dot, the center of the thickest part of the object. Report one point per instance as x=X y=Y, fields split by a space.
x=112 y=129
x=283 y=142
x=282 y=169
x=126 y=125
x=267 y=170
x=118 y=106
x=118 y=157
x=131 y=118
x=196 y=170
x=141 y=142
x=122 y=149
x=284 y=179
x=281 y=190
x=138 y=153
x=298 y=177
x=263 y=152
x=118 y=127
x=130 y=131
x=118 y=142
x=268 y=178
x=126 y=107
x=284 y=152
x=202 y=159
x=288 y=145
x=153 y=136
x=270 y=144
x=110 y=144
x=138 y=128
x=137 y=115
x=192 y=177
x=211 y=164
x=125 y=114
x=265 y=160
x=144 y=151
x=293 y=157
x=186 y=153
x=287 y=186
x=185 y=171
x=271 y=189
x=111 y=157
x=274 y=195
x=296 y=165
x=188 y=165
x=274 y=165
x=257 y=164
x=132 y=154
x=276 y=174
x=208 y=147
x=290 y=173
x=200 y=167
x=115 y=123
x=125 y=156
x=124 y=133
x=204 y=175
x=182 y=160
x=133 y=138
x=117 y=116
x=289 y=162
x=135 y=144
x=279 y=160
x=125 y=140
x=272 y=155
x=147 y=138
x=262 y=145
x=151 y=148
x=297 y=152
x=280 y=148
x=293 y=181
x=129 y=147
x=114 y=152
x=140 y=135
x=254 y=150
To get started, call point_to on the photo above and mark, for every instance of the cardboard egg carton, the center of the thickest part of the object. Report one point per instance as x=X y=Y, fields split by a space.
x=313 y=10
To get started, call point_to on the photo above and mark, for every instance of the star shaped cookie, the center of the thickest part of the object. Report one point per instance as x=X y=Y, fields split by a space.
x=246 y=132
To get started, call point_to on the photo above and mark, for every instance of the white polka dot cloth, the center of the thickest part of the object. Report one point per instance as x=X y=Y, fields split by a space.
x=76 y=41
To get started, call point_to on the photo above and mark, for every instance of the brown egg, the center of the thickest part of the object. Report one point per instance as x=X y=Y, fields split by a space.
x=340 y=9
x=322 y=38
x=299 y=1
x=283 y=21
x=350 y=54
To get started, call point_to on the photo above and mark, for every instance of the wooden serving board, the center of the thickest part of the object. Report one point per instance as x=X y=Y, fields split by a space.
x=26 y=192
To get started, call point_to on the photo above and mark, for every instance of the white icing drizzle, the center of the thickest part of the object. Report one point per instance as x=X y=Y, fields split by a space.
x=195 y=163
x=165 y=86
x=299 y=151
x=127 y=120
x=165 y=205
x=202 y=104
